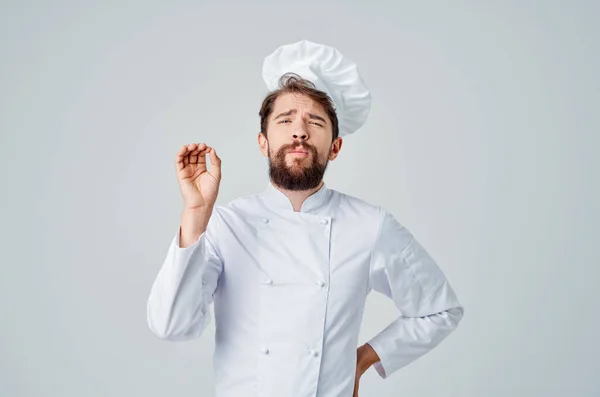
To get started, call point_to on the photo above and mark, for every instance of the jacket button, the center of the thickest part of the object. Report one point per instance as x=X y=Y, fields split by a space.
x=313 y=353
x=265 y=220
x=320 y=283
x=269 y=282
x=324 y=221
x=264 y=350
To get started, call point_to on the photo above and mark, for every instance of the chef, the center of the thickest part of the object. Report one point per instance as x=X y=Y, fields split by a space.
x=289 y=269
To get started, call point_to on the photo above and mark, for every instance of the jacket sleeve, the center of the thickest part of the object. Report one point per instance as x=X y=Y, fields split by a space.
x=181 y=295
x=429 y=309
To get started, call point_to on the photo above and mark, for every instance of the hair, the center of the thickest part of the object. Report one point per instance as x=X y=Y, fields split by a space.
x=293 y=83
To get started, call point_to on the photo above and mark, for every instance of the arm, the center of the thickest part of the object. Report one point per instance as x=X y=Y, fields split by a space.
x=181 y=295
x=429 y=309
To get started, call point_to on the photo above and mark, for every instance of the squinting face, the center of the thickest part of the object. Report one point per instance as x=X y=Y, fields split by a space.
x=298 y=142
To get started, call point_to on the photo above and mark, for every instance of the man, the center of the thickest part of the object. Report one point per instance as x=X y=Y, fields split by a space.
x=289 y=269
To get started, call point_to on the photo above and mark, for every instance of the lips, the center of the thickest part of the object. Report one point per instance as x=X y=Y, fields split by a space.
x=299 y=150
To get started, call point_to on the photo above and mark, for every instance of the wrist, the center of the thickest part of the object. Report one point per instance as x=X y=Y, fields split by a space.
x=194 y=222
x=367 y=356
x=203 y=209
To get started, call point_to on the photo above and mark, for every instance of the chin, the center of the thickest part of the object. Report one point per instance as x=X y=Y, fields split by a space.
x=296 y=169
x=297 y=163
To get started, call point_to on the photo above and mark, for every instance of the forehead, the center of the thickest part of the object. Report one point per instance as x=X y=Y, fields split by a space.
x=291 y=100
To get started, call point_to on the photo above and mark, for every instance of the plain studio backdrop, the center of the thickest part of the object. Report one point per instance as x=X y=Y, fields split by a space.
x=482 y=140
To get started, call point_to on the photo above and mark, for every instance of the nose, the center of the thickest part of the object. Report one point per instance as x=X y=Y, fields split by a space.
x=300 y=132
x=301 y=137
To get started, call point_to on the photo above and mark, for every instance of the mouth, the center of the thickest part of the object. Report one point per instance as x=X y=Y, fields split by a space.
x=299 y=153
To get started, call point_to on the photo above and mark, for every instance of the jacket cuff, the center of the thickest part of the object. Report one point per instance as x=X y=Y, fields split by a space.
x=383 y=363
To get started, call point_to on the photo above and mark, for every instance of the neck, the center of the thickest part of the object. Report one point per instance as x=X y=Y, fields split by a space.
x=297 y=197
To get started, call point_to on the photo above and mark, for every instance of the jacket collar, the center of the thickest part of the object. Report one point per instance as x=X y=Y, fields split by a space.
x=278 y=199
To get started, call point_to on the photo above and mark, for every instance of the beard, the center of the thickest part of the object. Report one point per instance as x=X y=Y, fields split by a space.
x=303 y=174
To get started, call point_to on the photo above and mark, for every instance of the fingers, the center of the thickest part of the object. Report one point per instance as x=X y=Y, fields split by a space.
x=197 y=154
x=215 y=163
x=193 y=153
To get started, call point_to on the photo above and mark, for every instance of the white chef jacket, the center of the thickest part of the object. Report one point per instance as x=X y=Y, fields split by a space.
x=289 y=289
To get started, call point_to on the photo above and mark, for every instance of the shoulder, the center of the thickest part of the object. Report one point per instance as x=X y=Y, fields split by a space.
x=243 y=206
x=382 y=218
x=241 y=202
x=356 y=204
x=228 y=218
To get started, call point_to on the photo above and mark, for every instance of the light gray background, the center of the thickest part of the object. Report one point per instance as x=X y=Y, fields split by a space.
x=482 y=140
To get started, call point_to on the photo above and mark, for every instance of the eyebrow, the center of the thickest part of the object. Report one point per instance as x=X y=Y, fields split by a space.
x=310 y=115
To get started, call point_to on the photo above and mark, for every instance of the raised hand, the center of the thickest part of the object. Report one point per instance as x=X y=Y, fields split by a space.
x=199 y=186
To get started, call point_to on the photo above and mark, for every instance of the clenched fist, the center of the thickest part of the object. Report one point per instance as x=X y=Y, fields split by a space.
x=199 y=186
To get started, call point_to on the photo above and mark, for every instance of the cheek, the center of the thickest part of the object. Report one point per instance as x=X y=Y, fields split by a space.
x=323 y=148
x=273 y=148
x=274 y=142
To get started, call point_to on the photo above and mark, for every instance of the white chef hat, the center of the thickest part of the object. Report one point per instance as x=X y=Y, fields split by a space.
x=330 y=72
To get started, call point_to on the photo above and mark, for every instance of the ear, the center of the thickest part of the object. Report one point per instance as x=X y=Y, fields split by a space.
x=263 y=144
x=336 y=146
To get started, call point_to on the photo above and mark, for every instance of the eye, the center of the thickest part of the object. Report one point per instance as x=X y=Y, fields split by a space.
x=315 y=123
x=284 y=121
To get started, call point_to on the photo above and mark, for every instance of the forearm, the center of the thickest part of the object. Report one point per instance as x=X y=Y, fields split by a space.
x=178 y=305
x=408 y=338
x=193 y=224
